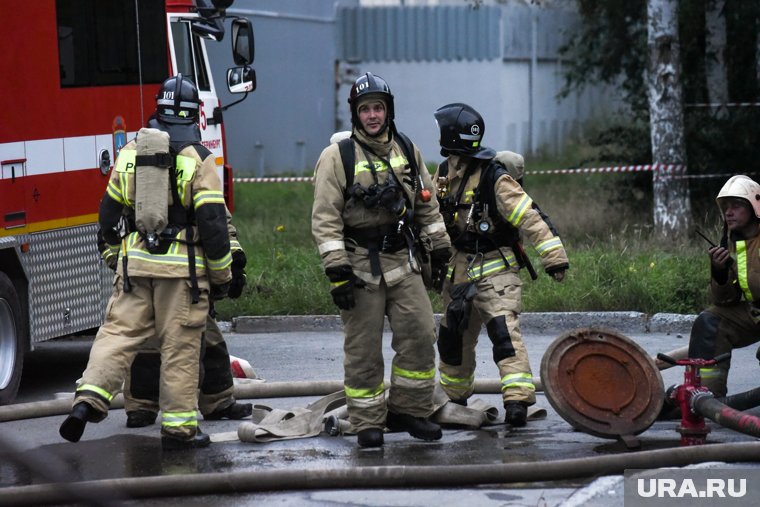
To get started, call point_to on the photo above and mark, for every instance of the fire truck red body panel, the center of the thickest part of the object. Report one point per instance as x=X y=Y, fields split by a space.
x=69 y=106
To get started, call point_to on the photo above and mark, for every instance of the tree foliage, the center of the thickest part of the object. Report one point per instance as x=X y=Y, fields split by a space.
x=610 y=48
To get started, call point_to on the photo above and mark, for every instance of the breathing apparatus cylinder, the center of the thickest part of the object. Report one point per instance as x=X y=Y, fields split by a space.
x=152 y=192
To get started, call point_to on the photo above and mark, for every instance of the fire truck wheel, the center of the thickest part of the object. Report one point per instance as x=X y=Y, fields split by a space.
x=11 y=346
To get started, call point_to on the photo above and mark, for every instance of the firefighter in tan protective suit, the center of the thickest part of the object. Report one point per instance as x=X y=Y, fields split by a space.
x=371 y=201
x=141 y=387
x=733 y=320
x=215 y=399
x=168 y=268
x=486 y=210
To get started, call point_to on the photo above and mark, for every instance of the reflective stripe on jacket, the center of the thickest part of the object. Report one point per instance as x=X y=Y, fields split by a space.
x=199 y=190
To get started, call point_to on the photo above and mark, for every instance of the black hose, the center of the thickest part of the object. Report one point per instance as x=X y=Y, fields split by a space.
x=743 y=401
x=715 y=410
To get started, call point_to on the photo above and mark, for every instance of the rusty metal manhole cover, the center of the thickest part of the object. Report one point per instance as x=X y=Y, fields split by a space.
x=602 y=382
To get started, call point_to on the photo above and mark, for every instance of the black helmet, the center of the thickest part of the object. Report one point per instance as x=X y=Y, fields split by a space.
x=177 y=101
x=367 y=85
x=462 y=129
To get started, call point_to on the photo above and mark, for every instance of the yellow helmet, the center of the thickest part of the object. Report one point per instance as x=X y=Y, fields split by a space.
x=742 y=187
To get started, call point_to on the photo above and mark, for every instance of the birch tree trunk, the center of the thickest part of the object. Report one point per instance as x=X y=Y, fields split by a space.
x=672 y=209
x=715 y=61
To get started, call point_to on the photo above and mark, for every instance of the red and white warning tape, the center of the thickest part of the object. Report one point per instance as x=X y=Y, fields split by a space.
x=294 y=179
x=666 y=168
x=672 y=170
x=727 y=104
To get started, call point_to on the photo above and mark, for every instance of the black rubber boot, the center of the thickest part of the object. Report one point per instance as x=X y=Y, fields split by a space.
x=418 y=427
x=516 y=413
x=73 y=427
x=172 y=443
x=370 y=437
x=460 y=402
x=234 y=411
x=140 y=418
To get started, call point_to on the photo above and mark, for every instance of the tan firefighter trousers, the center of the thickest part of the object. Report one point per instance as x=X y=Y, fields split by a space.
x=155 y=307
x=498 y=304
x=412 y=378
x=142 y=383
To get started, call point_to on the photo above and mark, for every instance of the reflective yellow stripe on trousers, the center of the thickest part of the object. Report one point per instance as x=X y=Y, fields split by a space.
x=95 y=389
x=459 y=383
x=411 y=378
x=365 y=397
x=178 y=419
x=517 y=380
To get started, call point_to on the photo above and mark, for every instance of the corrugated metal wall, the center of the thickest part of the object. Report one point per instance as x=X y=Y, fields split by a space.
x=501 y=59
x=449 y=33
x=418 y=33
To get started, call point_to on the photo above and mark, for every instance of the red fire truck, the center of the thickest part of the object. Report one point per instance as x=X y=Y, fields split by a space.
x=79 y=79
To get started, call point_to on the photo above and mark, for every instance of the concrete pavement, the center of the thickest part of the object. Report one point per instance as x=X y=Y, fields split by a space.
x=109 y=450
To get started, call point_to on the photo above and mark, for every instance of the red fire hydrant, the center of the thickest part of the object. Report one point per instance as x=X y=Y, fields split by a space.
x=692 y=428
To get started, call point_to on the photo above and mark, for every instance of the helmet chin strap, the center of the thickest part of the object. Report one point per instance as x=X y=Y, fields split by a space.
x=379 y=132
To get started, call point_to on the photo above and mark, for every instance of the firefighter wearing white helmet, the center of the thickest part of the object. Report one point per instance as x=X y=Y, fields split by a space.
x=171 y=262
x=372 y=197
x=733 y=320
x=486 y=210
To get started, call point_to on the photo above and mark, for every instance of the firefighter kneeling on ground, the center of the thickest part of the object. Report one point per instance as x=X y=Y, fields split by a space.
x=174 y=257
x=733 y=320
x=485 y=211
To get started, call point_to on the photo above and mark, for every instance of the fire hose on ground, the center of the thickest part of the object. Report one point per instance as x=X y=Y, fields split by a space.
x=380 y=476
x=255 y=390
x=583 y=347
x=242 y=391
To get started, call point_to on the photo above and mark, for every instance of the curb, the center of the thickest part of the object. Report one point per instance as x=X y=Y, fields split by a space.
x=546 y=322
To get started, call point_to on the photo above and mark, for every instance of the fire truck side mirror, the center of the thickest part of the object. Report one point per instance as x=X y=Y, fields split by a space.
x=242 y=41
x=105 y=162
x=241 y=79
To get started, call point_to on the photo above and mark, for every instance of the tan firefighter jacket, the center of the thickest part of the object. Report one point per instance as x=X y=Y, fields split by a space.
x=333 y=211
x=199 y=190
x=516 y=207
x=110 y=253
x=743 y=275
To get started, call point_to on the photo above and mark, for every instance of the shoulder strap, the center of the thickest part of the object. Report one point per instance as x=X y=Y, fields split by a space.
x=406 y=147
x=201 y=150
x=443 y=169
x=488 y=179
x=348 y=157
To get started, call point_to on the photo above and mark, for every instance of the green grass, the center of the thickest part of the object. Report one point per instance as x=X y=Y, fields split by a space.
x=604 y=220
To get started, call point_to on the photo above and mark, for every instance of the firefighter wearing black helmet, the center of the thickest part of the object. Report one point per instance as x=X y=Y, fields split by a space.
x=165 y=275
x=215 y=399
x=371 y=201
x=486 y=211
x=177 y=114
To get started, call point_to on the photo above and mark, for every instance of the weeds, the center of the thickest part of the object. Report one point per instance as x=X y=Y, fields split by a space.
x=605 y=223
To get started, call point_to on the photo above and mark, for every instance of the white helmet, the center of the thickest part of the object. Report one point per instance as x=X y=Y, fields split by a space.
x=742 y=187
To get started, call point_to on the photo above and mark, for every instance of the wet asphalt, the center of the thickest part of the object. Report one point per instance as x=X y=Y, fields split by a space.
x=109 y=450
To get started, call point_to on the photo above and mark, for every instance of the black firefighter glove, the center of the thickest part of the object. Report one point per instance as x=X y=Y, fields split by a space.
x=557 y=272
x=219 y=292
x=238 y=274
x=343 y=280
x=439 y=263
